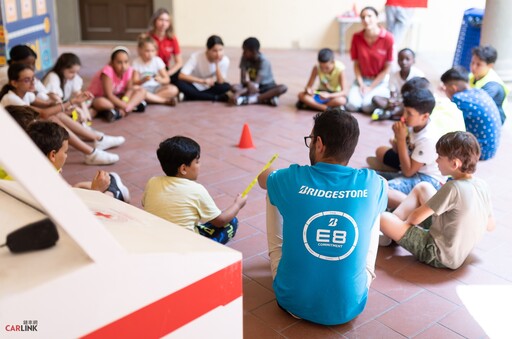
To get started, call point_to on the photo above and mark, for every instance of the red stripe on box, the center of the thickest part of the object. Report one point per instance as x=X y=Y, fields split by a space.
x=175 y=310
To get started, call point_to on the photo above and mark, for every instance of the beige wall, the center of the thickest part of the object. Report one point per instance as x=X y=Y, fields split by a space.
x=308 y=24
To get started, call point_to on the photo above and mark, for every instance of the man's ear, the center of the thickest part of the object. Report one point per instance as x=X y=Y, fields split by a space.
x=319 y=145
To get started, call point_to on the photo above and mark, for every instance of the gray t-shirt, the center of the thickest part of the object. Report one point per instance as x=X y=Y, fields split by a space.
x=260 y=68
x=461 y=212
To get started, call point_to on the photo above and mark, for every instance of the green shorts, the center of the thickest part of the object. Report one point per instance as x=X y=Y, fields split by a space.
x=418 y=241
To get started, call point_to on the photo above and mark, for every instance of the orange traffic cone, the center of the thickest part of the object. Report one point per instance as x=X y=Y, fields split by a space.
x=246 y=138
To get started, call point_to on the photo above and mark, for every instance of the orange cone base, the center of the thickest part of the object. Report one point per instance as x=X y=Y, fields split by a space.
x=246 y=138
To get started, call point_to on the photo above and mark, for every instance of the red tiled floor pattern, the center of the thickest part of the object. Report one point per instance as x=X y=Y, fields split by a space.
x=407 y=299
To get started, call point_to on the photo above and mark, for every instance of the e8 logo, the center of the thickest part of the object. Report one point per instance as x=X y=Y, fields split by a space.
x=330 y=235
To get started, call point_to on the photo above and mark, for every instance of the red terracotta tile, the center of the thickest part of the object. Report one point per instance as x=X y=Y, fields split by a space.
x=377 y=305
x=305 y=329
x=255 y=295
x=394 y=287
x=373 y=329
x=416 y=314
x=461 y=322
x=258 y=269
x=274 y=317
x=255 y=328
x=438 y=331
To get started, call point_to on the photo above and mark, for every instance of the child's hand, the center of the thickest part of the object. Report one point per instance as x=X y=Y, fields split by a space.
x=324 y=95
x=253 y=87
x=209 y=82
x=364 y=89
x=400 y=130
x=144 y=79
x=101 y=181
x=240 y=201
x=309 y=91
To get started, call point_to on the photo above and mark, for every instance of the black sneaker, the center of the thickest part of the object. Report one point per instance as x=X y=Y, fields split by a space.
x=300 y=105
x=110 y=114
x=117 y=188
x=140 y=108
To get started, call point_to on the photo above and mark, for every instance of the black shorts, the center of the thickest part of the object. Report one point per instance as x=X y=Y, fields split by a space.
x=391 y=159
x=267 y=87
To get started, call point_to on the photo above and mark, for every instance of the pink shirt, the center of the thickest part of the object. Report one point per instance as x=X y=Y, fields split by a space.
x=372 y=59
x=118 y=84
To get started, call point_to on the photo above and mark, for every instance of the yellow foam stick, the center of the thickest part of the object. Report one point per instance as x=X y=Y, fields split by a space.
x=267 y=165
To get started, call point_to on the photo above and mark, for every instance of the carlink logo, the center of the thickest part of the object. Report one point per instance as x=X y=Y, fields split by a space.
x=26 y=326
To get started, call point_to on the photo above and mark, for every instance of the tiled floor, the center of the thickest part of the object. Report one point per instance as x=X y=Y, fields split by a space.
x=408 y=299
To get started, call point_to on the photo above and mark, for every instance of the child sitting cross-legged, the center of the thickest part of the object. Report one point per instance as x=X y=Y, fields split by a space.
x=331 y=91
x=441 y=228
x=391 y=107
x=412 y=152
x=257 y=82
x=52 y=140
x=178 y=198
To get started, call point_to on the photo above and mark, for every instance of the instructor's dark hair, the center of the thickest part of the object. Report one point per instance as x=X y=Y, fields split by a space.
x=339 y=131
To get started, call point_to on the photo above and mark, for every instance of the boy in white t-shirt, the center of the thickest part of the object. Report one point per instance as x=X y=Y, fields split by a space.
x=177 y=196
x=413 y=152
x=149 y=72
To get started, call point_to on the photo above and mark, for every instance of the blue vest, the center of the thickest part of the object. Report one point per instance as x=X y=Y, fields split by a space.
x=328 y=213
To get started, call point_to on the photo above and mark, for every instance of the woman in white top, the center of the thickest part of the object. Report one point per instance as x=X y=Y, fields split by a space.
x=204 y=75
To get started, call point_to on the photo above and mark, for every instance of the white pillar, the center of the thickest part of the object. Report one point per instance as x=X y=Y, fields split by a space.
x=496 y=31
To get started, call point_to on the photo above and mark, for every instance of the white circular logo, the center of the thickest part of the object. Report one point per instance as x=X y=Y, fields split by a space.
x=330 y=235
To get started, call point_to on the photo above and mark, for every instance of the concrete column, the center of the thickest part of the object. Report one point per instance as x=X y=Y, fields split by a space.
x=496 y=31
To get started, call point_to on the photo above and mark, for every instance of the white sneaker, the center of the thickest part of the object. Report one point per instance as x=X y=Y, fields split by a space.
x=100 y=157
x=384 y=240
x=108 y=142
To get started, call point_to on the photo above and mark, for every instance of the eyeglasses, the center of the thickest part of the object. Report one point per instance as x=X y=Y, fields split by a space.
x=308 y=140
x=27 y=80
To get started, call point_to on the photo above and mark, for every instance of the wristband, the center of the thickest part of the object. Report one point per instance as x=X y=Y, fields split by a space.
x=125 y=98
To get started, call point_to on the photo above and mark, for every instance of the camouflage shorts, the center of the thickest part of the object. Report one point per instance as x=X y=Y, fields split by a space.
x=418 y=241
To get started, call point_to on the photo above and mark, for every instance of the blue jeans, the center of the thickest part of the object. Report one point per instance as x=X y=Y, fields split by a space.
x=406 y=184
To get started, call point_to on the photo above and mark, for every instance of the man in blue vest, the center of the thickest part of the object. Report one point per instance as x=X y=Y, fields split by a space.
x=323 y=225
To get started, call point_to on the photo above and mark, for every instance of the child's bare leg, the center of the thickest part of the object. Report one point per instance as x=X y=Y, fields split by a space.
x=77 y=128
x=380 y=152
x=74 y=141
x=395 y=198
x=309 y=101
x=392 y=226
x=335 y=102
x=135 y=97
x=163 y=95
x=380 y=102
x=420 y=194
x=102 y=104
x=238 y=90
x=274 y=92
